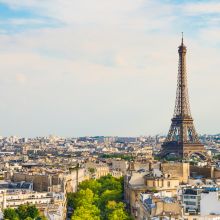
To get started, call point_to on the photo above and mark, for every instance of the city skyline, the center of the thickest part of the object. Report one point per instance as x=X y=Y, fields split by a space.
x=76 y=69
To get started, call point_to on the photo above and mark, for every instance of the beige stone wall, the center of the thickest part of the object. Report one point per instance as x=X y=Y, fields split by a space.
x=134 y=198
x=216 y=174
x=42 y=182
x=179 y=170
x=159 y=208
x=119 y=164
x=74 y=181
x=171 y=207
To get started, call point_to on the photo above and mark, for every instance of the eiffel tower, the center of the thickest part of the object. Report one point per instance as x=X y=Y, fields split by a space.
x=182 y=138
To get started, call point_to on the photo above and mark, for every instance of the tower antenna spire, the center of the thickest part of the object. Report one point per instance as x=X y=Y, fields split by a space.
x=182 y=37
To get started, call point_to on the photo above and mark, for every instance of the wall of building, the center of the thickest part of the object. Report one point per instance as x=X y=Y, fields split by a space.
x=179 y=170
x=120 y=164
x=41 y=182
x=209 y=203
x=138 y=166
x=207 y=172
x=216 y=174
x=161 y=184
x=133 y=187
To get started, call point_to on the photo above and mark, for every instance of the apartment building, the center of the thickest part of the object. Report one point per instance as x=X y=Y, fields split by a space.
x=159 y=205
x=14 y=194
x=120 y=165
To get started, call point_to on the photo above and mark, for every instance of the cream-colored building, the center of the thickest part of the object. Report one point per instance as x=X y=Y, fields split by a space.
x=115 y=173
x=120 y=165
x=164 y=183
x=140 y=180
x=101 y=170
x=133 y=187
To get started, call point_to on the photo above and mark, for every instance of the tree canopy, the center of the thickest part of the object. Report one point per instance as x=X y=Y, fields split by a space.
x=99 y=199
x=27 y=212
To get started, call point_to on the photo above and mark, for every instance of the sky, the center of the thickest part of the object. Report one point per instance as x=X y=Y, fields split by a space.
x=106 y=67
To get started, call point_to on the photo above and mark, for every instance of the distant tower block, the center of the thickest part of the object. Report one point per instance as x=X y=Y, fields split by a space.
x=182 y=138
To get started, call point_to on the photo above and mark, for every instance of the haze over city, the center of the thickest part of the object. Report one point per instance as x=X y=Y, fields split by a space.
x=76 y=68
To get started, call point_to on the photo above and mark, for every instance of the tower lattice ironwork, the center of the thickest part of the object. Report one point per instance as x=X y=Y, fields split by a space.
x=182 y=128
x=182 y=138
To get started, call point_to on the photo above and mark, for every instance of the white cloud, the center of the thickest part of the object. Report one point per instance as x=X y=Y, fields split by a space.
x=21 y=78
x=123 y=12
x=3 y=31
x=22 y=21
x=211 y=35
x=203 y=7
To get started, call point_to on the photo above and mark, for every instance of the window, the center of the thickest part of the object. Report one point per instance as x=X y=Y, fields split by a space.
x=186 y=197
x=192 y=197
x=168 y=184
x=186 y=202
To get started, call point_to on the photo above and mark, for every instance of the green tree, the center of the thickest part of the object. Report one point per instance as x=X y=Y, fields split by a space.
x=32 y=211
x=89 y=212
x=71 y=200
x=109 y=183
x=91 y=170
x=99 y=196
x=85 y=197
x=119 y=214
x=10 y=214
x=91 y=184
x=111 y=207
x=22 y=211
x=29 y=218
x=122 y=180
x=109 y=195
x=153 y=189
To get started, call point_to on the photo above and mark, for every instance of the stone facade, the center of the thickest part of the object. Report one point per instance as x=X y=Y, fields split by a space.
x=179 y=170
x=43 y=181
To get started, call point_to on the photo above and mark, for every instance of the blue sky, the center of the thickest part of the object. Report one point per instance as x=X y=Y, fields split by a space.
x=75 y=68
